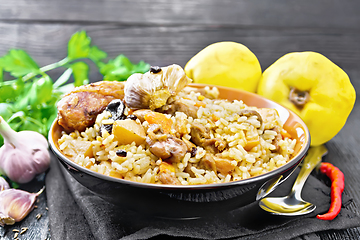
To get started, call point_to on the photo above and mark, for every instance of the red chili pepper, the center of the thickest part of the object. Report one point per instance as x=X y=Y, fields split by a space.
x=337 y=187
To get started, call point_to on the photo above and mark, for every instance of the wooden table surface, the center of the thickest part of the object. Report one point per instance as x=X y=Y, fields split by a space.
x=163 y=32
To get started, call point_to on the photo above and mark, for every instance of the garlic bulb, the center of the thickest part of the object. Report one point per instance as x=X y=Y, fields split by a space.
x=152 y=89
x=16 y=204
x=23 y=155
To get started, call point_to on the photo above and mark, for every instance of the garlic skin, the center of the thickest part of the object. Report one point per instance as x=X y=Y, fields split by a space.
x=23 y=155
x=3 y=184
x=152 y=89
x=16 y=204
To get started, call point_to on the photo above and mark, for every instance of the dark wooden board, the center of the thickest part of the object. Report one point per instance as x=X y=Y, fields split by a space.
x=260 y=13
x=161 y=45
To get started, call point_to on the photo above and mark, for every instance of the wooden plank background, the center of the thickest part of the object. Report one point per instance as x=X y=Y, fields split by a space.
x=163 y=32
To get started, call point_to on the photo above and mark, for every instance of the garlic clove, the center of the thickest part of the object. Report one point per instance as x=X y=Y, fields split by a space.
x=174 y=78
x=138 y=90
x=3 y=184
x=16 y=204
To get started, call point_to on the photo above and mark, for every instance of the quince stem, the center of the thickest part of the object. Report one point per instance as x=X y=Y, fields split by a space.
x=299 y=98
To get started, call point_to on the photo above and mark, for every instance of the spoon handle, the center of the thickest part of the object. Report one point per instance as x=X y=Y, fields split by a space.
x=311 y=160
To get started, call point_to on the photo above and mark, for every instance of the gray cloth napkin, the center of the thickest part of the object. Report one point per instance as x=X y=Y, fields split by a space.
x=76 y=213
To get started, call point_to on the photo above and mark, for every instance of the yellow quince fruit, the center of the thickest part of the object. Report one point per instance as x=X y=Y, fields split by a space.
x=315 y=88
x=228 y=64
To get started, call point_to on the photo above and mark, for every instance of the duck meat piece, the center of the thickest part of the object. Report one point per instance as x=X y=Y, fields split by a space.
x=167 y=174
x=270 y=117
x=214 y=145
x=168 y=178
x=182 y=105
x=171 y=150
x=106 y=88
x=277 y=138
x=78 y=109
x=200 y=135
x=208 y=162
x=156 y=133
x=186 y=106
x=249 y=113
x=224 y=166
x=217 y=164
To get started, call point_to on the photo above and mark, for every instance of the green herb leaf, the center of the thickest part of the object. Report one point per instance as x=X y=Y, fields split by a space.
x=35 y=94
x=40 y=91
x=12 y=183
x=141 y=67
x=121 y=68
x=18 y=63
x=80 y=71
x=79 y=46
x=63 y=78
x=64 y=89
x=6 y=110
x=33 y=124
x=50 y=120
x=96 y=54
x=1 y=75
x=22 y=100
x=10 y=90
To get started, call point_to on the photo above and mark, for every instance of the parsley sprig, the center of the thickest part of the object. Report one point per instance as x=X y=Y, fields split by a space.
x=28 y=101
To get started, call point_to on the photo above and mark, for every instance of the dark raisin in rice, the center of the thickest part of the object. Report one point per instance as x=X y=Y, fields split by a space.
x=155 y=69
x=132 y=117
x=193 y=151
x=106 y=127
x=121 y=153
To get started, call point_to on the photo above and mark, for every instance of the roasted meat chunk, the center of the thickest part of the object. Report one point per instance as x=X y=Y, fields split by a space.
x=79 y=108
x=182 y=105
x=200 y=135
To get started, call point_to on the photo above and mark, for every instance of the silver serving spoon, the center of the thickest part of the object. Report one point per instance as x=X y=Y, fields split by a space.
x=293 y=204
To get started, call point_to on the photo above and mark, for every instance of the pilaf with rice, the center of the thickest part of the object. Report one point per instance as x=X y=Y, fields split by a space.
x=192 y=138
